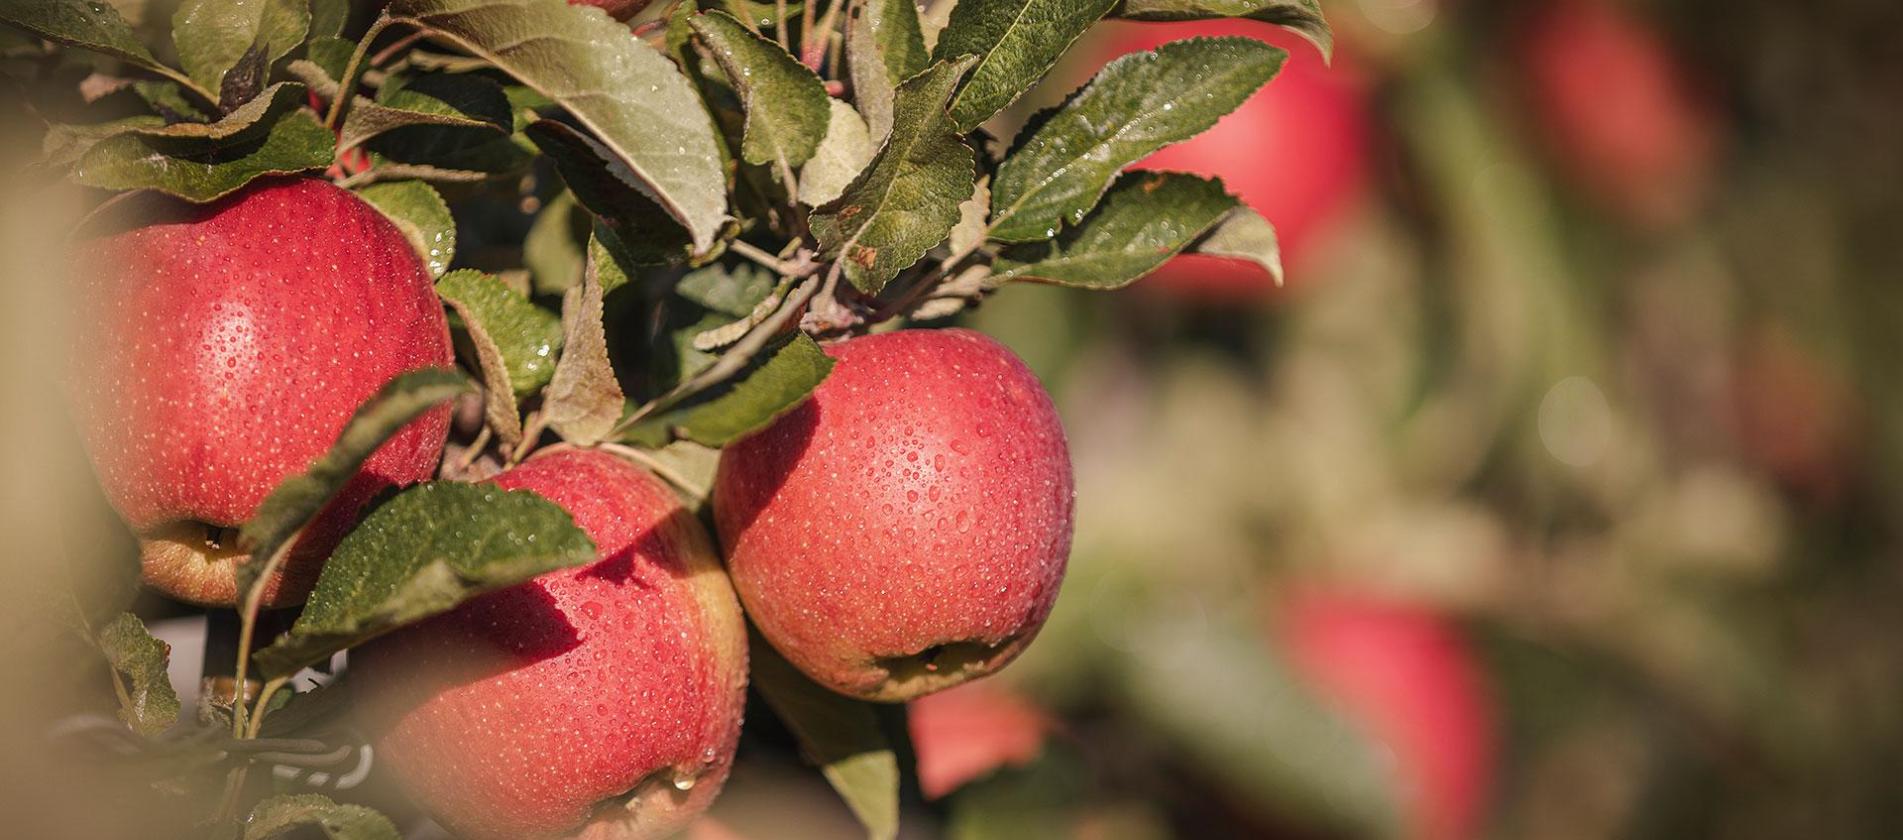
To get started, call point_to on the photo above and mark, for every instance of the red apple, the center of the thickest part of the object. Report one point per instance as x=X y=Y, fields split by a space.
x=906 y=528
x=1405 y=676
x=598 y=702
x=968 y=732
x=222 y=349
x=1296 y=152
x=1616 y=109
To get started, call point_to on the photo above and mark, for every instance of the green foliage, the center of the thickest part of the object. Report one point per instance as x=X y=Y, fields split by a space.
x=204 y=170
x=420 y=554
x=884 y=47
x=777 y=381
x=845 y=151
x=422 y=215
x=526 y=336
x=87 y=24
x=287 y=814
x=906 y=200
x=1136 y=105
x=1303 y=17
x=147 y=702
x=786 y=103
x=635 y=102
x=1016 y=42
x=1143 y=221
x=215 y=36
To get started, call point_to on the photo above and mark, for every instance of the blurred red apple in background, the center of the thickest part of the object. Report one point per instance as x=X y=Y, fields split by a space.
x=1406 y=677
x=221 y=351
x=1297 y=152
x=603 y=701
x=968 y=732
x=906 y=528
x=1616 y=109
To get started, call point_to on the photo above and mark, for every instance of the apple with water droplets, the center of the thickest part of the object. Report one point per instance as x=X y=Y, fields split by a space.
x=1405 y=677
x=221 y=350
x=602 y=701
x=906 y=528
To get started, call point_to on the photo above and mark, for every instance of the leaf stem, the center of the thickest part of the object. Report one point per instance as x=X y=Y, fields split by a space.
x=189 y=85
x=654 y=465
x=347 y=84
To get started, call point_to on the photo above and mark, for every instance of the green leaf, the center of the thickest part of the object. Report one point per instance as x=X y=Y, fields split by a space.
x=1303 y=17
x=528 y=336
x=906 y=200
x=271 y=104
x=583 y=401
x=64 y=144
x=168 y=100
x=1243 y=235
x=785 y=101
x=147 y=703
x=213 y=36
x=1017 y=42
x=286 y=813
x=1146 y=218
x=87 y=24
x=328 y=19
x=296 y=501
x=499 y=408
x=736 y=291
x=778 y=380
x=884 y=47
x=1136 y=105
x=841 y=156
x=420 y=554
x=460 y=100
x=330 y=54
x=839 y=734
x=627 y=94
x=420 y=212
x=554 y=249
x=200 y=169
x=604 y=186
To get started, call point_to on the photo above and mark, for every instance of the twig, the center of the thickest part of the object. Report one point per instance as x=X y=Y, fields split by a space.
x=735 y=359
x=766 y=260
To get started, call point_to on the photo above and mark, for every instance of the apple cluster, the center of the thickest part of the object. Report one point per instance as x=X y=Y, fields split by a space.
x=903 y=530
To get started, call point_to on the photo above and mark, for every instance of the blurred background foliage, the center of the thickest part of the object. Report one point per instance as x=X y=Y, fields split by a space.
x=1588 y=403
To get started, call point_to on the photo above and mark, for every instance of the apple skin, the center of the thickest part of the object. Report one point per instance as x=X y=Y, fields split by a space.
x=1616 y=110
x=906 y=528
x=1296 y=152
x=220 y=351
x=532 y=711
x=1405 y=676
x=970 y=731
